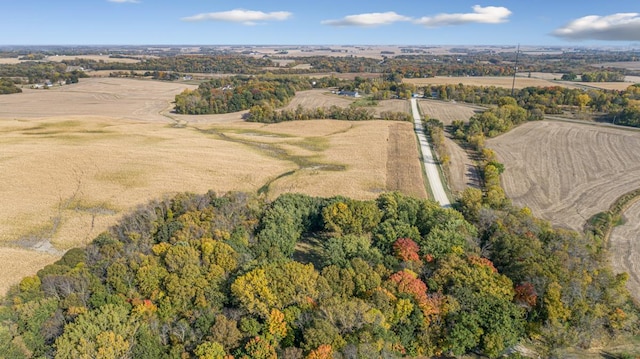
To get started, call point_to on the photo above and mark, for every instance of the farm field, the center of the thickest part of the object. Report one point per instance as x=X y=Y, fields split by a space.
x=319 y=98
x=624 y=248
x=540 y=80
x=447 y=112
x=68 y=176
x=567 y=172
x=462 y=170
x=113 y=97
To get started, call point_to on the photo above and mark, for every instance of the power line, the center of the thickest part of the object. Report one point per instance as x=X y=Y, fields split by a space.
x=515 y=70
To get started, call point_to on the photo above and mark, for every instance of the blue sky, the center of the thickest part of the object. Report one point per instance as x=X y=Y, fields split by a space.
x=320 y=22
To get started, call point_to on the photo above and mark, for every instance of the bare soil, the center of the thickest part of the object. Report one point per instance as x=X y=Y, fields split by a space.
x=567 y=172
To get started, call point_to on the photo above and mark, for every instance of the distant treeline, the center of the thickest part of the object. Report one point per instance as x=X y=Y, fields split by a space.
x=596 y=76
x=227 y=64
x=35 y=72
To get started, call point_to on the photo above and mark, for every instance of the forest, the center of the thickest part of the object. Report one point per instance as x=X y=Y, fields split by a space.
x=34 y=72
x=213 y=276
x=239 y=93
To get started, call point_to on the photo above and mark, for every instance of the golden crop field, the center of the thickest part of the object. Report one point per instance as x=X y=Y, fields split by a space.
x=567 y=172
x=74 y=159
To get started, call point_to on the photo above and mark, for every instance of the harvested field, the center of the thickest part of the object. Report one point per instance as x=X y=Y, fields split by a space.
x=567 y=172
x=404 y=172
x=447 y=112
x=624 y=249
x=462 y=169
x=9 y=61
x=19 y=263
x=393 y=106
x=337 y=157
x=618 y=86
x=119 y=98
x=505 y=82
x=319 y=98
x=67 y=179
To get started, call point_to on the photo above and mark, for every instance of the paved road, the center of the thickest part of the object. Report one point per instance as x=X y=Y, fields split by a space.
x=430 y=167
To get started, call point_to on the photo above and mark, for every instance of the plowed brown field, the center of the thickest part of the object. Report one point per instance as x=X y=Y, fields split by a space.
x=567 y=172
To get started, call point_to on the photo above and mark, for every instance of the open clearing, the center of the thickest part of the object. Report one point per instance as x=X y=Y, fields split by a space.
x=624 y=248
x=567 y=172
x=70 y=176
x=462 y=170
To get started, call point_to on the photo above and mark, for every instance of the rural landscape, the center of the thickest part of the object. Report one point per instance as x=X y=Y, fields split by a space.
x=248 y=199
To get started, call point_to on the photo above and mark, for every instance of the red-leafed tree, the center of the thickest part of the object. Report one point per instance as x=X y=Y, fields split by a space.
x=525 y=295
x=406 y=249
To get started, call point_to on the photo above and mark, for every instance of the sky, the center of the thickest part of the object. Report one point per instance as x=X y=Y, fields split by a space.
x=320 y=22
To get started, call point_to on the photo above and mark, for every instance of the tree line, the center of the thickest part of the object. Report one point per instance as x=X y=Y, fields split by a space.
x=266 y=114
x=8 y=86
x=239 y=93
x=36 y=72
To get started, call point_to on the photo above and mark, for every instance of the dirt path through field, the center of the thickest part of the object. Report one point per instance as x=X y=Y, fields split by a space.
x=624 y=249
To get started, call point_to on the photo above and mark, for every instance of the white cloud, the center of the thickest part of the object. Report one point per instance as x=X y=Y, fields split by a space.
x=124 y=1
x=371 y=19
x=616 y=27
x=482 y=15
x=246 y=17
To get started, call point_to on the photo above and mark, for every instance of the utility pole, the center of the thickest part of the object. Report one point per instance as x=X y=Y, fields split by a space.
x=515 y=71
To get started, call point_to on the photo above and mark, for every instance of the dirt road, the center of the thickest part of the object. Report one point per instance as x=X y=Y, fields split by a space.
x=430 y=166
